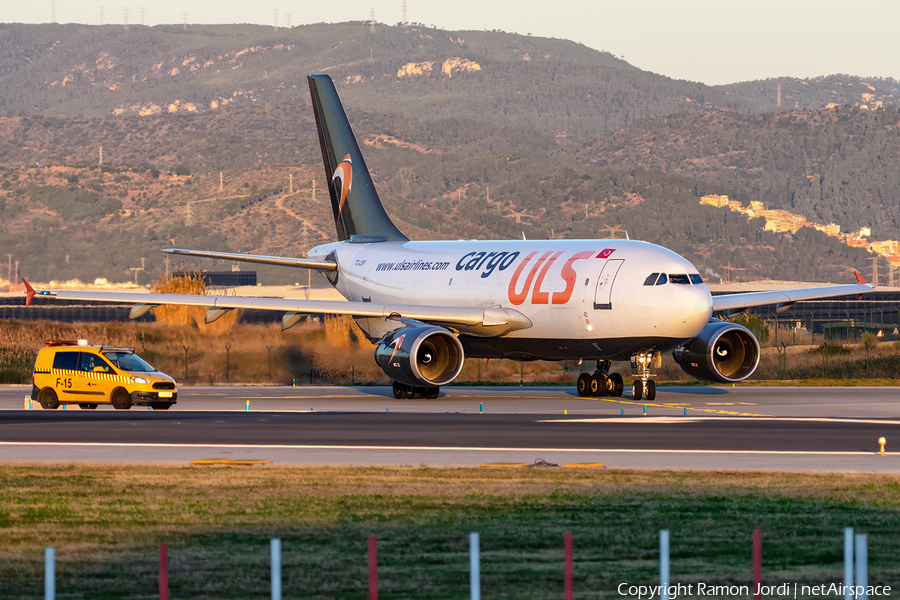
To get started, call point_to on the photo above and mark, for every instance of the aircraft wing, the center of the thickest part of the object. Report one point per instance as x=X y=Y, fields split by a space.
x=488 y=322
x=301 y=263
x=785 y=298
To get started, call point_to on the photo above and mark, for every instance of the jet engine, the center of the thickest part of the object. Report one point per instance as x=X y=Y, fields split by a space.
x=423 y=355
x=723 y=352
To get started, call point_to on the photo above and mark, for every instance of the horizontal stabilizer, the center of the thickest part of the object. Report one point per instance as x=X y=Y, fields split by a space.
x=299 y=263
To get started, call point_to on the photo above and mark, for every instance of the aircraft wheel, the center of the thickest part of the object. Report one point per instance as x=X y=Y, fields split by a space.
x=618 y=385
x=48 y=399
x=610 y=389
x=583 y=385
x=637 y=390
x=416 y=393
x=433 y=393
x=399 y=391
x=598 y=385
x=120 y=399
x=651 y=391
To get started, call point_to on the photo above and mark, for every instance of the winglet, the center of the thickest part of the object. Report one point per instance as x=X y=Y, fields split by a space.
x=859 y=278
x=29 y=291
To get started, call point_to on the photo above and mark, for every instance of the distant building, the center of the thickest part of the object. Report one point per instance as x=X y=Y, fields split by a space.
x=715 y=200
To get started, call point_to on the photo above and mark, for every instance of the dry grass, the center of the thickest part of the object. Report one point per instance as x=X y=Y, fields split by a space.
x=106 y=521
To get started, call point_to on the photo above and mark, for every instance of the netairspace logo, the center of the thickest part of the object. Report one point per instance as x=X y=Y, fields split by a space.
x=787 y=590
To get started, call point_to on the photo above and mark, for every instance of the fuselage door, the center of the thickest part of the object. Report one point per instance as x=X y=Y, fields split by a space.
x=603 y=293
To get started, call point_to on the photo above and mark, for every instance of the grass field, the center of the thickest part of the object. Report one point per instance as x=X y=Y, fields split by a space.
x=106 y=522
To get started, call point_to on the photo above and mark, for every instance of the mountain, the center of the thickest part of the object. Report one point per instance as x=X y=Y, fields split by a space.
x=556 y=87
x=468 y=134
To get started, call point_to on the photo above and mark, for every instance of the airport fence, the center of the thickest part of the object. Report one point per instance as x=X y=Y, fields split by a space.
x=855 y=584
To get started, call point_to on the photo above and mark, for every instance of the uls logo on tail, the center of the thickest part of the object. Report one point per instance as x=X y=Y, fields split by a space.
x=342 y=180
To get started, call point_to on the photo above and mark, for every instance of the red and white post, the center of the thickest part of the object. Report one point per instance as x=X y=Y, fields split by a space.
x=163 y=572
x=373 y=568
x=757 y=564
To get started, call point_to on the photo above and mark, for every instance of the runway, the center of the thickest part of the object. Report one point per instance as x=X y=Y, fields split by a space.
x=824 y=429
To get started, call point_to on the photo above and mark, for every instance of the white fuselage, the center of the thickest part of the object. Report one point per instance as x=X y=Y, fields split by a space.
x=585 y=298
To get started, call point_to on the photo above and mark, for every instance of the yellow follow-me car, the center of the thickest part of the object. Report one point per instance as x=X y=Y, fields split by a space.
x=74 y=372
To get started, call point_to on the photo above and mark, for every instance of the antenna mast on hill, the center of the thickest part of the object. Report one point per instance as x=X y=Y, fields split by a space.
x=142 y=15
x=53 y=11
x=372 y=20
x=126 y=27
x=184 y=18
x=101 y=15
x=275 y=10
x=404 y=13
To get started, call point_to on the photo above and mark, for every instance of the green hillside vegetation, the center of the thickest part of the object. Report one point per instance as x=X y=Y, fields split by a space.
x=431 y=195
x=816 y=92
x=838 y=165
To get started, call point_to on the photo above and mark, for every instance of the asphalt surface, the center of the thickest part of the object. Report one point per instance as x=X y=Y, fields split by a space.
x=822 y=429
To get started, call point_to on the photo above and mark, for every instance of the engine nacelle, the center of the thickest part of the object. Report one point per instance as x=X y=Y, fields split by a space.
x=723 y=352
x=425 y=356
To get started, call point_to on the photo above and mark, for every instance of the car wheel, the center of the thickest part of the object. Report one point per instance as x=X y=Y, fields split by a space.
x=120 y=399
x=48 y=399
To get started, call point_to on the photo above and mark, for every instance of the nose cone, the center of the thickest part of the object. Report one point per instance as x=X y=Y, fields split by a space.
x=693 y=307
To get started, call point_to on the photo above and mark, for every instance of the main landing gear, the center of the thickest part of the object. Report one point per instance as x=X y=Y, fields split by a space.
x=403 y=391
x=640 y=367
x=601 y=382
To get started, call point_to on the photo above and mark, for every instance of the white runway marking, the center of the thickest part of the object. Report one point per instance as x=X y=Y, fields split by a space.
x=433 y=448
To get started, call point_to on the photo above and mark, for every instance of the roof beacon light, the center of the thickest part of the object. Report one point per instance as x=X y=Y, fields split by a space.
x=82 y=342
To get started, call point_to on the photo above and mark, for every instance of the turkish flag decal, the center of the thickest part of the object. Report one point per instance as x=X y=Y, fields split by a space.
x=606 y=253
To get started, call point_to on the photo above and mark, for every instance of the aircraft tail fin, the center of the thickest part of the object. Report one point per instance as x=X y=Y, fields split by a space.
x=358 y=210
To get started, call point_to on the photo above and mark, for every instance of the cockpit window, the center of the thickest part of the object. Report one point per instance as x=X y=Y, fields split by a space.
x=680 y=279
x=651 y=280
x=662 y=279
x=696 y=279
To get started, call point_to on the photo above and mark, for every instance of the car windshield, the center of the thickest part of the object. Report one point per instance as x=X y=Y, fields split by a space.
x=127 y=361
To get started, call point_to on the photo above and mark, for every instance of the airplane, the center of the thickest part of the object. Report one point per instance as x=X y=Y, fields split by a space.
x=428 y=305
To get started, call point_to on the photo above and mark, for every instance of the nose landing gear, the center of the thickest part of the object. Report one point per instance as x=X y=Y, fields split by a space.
x=640 y=367
x=601 y=382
